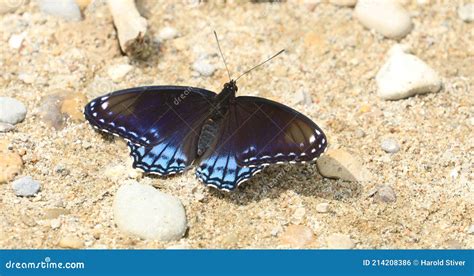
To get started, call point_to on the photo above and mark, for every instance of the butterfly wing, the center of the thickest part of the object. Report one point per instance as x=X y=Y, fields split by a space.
x=218 y=166
x=160 y=123
x=269 y=132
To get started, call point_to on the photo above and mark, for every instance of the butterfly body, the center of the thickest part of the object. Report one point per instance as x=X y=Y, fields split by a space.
x=228 y=138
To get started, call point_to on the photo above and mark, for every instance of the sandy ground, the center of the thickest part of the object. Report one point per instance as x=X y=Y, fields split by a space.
x=329 y=54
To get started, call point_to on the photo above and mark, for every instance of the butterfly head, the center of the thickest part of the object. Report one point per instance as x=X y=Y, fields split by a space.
x=231 y=86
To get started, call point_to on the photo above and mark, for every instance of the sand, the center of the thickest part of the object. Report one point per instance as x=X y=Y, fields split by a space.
x=328 y=54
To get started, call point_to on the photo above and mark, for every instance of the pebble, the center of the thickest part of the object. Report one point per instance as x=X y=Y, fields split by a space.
x=466 y=12
x=203 y=67
x=52 y=213
x=344 y=3
x=6 y=127
x=390 y=145
x=66 y=9
x=297 y=236
x=404 y=75
x=385 y=194
x=143 y=211
x=73 y=105
x=10 y=163
x=322 y=207
x=339 y=241
x=470 y=230
x=26 y=186
x=167 y=33
x=340 y=164
x=70 y=242
x=55 y=223
x=118 y=72
x=16 y=40
x=11 y=111
x=49 y=111
x=387 y=17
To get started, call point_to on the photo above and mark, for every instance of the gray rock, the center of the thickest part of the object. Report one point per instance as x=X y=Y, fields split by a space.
x=26 y=186
x=390 y=145
x=11 y=111
x=203 y=67
x=141 y=210
x=385 y=194
x=67 y=9
x=466 y=12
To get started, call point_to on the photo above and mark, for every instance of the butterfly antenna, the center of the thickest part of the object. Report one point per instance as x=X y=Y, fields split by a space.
x=262 y=63
x=222 y=55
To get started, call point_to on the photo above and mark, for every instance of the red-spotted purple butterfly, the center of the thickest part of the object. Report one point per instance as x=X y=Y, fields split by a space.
x=229 y=138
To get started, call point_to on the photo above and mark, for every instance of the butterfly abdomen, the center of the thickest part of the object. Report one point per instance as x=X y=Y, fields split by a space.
x=207 y=135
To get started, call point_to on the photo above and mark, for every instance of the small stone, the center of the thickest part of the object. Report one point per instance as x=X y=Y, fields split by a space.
x=10 y=163
x=322 y=207
x=167 y=33
x=344 y=3
x=6 y=127
x=11 y=111
x=470 y=230
x=66 y=9
x=298 y=215
x=390 y=145
x=203 y=67
x=27 y=78
x=143 y=211
x=466 y=12
x=55 y=223
x=53 y=213
x=73 y=105
x=16 y=40
x=387 y=17
x=340 y=164
x=453 y=244
x=70 y=242
x=49 y=111
x=385 y=194
x=339 y=241
x=297 y=236
x=405 y=75
x=118 y=72
x=26 y=186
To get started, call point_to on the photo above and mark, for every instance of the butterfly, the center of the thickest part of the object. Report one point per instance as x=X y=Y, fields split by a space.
x=228 y=138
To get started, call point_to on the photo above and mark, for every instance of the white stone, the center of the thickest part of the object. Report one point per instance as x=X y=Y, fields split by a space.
x=16 y=40
x=390 y=145
x=466 y=12
x=67 y=9
x=203 y=67
x=470 y=230
x=167 y=33
x=322 y=207
x=7 y=6
x=387 y=17
x=143 y=211
x=404 y=75
x=11 y=111
x=339 y=241
x=118 y=72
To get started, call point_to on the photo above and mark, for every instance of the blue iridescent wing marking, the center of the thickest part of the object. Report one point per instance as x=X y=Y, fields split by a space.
x=218 y=166
x=161 y=123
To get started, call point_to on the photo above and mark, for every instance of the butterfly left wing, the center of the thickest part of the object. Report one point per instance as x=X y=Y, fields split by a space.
x=268 y=132
x=160 y=123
